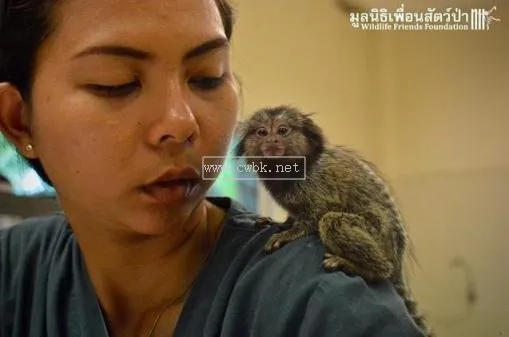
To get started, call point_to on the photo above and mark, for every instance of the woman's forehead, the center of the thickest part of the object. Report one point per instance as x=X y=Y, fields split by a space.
x=153 y=23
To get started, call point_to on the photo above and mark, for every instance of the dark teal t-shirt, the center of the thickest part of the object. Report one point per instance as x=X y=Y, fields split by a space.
x=45 y=290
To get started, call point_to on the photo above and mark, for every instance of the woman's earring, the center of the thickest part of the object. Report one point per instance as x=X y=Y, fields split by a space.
x=29 y=148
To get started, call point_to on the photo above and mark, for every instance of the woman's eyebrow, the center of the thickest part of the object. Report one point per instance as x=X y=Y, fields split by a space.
x=114 y=50
x=207 y=47
x=130 y=52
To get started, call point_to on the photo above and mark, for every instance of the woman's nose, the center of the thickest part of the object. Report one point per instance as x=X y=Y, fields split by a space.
x=176 y=123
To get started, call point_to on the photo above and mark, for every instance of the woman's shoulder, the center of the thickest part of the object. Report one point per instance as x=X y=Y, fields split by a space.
x=38 y=231
x=288 y=293
x=33 y=239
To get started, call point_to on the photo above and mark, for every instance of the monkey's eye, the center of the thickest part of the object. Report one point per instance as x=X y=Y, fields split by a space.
x=262 y=132
x=283 y=130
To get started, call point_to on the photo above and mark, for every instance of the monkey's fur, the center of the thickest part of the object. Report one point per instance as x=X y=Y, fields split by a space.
x=344 y=200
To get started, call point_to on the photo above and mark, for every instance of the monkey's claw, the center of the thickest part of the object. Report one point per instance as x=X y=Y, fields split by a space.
x=278 y=240
x=273 y=243
x=334 y=263
x=263 y=221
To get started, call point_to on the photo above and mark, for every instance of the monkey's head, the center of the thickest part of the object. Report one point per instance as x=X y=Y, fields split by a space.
x=279 y=131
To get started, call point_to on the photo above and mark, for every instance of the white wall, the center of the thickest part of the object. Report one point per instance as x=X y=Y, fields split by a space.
x=431 y=108
x=447 y=144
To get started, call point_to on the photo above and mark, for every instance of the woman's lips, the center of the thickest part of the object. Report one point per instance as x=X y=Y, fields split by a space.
x=172 y=191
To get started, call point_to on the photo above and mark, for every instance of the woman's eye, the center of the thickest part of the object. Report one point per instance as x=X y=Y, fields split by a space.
x=115 y=91
x=207 y=83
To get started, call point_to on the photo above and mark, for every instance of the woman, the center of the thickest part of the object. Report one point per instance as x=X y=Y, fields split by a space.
x=115 y=102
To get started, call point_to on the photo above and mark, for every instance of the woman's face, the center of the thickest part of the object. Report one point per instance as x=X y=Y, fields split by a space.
x=125 y=91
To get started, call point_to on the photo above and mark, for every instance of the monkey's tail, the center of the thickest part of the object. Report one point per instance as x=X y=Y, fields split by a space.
x=412 y=307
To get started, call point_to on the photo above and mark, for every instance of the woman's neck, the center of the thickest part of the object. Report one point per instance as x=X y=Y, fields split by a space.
x=134 y=280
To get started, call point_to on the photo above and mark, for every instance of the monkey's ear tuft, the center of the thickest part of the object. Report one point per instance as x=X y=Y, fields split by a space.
x=314 y=134
x=308 y=122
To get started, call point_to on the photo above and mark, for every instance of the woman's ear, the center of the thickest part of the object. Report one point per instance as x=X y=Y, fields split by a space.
x=14 y=121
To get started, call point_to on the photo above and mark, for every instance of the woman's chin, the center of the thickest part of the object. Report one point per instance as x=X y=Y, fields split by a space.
x=161 y=221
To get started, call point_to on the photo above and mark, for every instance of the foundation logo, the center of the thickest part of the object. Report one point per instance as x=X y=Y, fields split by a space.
x=477 y=19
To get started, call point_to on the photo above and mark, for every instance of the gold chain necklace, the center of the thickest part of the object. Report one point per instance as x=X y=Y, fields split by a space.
x=175 y=301
x=178 y=299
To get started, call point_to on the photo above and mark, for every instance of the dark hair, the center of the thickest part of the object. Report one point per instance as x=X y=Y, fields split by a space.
x=25 y=25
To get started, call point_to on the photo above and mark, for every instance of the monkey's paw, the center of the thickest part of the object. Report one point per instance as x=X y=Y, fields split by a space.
x=278 y=240
x=263 y=221
x=334 y=263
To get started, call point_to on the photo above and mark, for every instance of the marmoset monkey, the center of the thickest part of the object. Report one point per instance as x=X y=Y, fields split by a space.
x=343 y=199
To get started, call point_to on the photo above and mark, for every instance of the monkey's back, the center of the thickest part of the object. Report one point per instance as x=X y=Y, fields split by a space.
x=342 y=180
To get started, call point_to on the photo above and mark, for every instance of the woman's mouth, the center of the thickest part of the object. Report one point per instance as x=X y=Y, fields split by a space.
x=173 y=186
x=171 y=191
